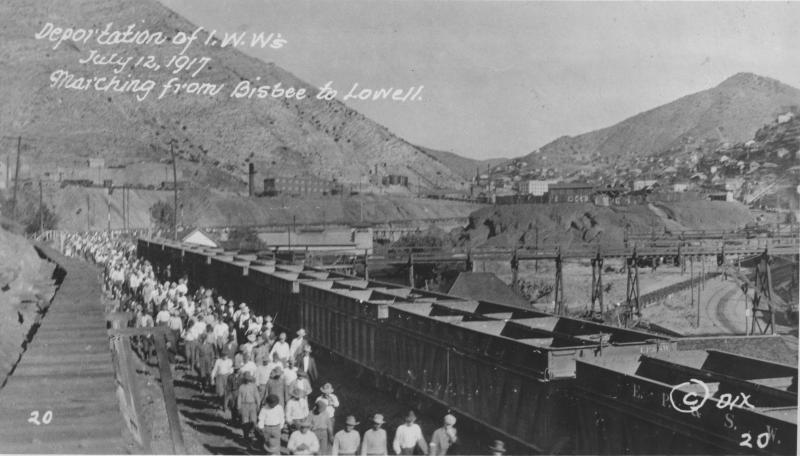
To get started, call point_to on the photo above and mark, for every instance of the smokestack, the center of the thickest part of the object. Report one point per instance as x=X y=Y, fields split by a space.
x=251 y=175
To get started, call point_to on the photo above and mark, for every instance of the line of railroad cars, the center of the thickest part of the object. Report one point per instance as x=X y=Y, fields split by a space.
x=510 y=370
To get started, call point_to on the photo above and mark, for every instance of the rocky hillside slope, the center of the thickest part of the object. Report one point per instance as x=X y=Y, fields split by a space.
x=25 y=288
x=290 y=137
x=211 y=208
x=580 y=225
x=729 y=113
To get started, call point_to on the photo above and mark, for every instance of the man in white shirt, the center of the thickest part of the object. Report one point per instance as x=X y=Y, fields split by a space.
x=182 y=286
x=408 y=436
x=297 y=344
x=281 y=349
x=249 y=365
x=303 y=441
x=271 y=420
x=347 y=441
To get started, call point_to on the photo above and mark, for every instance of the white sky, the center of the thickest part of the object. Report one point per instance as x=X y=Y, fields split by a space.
x=504 y=78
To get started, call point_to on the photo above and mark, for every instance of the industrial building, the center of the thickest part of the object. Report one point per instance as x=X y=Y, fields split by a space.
x=303 y=185
x=573 y=192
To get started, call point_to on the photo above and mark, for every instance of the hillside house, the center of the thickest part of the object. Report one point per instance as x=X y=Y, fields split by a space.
x=721 y=196
x=641 y=184
x=680 y=187
x=783 y=118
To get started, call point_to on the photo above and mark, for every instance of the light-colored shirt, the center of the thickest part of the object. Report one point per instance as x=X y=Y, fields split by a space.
x=289 y=375
x=262 y=374
x=222 y=331
x=296 y=410
x=162 y=316
x=281 y=348
x=407 y=437
x=346 y=442
x=374 y=442
x=297 y=343
x=271 y=416
x=249 y=366
x=441 y=441
x=222 y=366
x=333 y=403
x=309 y=439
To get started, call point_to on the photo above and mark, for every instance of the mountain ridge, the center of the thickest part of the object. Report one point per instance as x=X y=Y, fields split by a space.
x=730 y=112
x=215 y=137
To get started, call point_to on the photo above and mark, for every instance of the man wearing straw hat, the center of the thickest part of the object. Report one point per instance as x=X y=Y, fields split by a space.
x=498 y=448
x=374 y=443
x=303 y=441
x=347 y=441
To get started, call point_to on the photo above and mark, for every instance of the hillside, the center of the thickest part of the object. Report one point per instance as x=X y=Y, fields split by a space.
x=463 y=166
x=580 y=225
x=729 y=113
x=212 y=208
x=220 y=134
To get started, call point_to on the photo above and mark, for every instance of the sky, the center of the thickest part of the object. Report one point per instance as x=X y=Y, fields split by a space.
x=504 y=78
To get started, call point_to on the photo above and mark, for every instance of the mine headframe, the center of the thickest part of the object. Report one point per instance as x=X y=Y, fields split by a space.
x=762 y=314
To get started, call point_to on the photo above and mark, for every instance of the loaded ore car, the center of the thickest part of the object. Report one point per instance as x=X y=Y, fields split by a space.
x=544 y=383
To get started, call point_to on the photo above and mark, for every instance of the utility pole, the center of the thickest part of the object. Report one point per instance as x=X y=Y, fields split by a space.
x=16 y=179
x=699 y=288
x=88 y=216
x=124 y=216
x=175 y=191
x=41 y=213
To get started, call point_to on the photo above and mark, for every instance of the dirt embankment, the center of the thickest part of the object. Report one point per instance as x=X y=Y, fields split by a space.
x=200 y=207
x=574 y=225
x=26 y=286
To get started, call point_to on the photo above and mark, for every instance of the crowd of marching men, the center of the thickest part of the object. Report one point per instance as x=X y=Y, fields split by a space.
x=259 y=379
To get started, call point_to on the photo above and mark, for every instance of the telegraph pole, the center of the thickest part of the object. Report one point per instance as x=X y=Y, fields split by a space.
x=124 y=213
x=16 y=179
x=175 y=191
x=41 y=213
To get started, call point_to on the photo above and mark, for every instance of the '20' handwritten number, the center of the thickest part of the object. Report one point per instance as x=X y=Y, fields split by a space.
x=762 y=440
x=47 y=417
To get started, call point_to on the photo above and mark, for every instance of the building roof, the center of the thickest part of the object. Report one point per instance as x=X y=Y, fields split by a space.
x=197 y=237
x=570 y=185
x=485 y=286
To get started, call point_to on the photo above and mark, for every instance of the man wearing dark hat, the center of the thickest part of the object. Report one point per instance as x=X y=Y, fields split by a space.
x=444 y=437
x=408 y=436
x=303 y=441
x=271 y=419
x=498 y=448
x=347 y=441
x=374 y=443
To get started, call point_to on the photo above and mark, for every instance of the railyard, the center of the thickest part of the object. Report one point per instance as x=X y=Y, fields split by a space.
x=540 y=381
